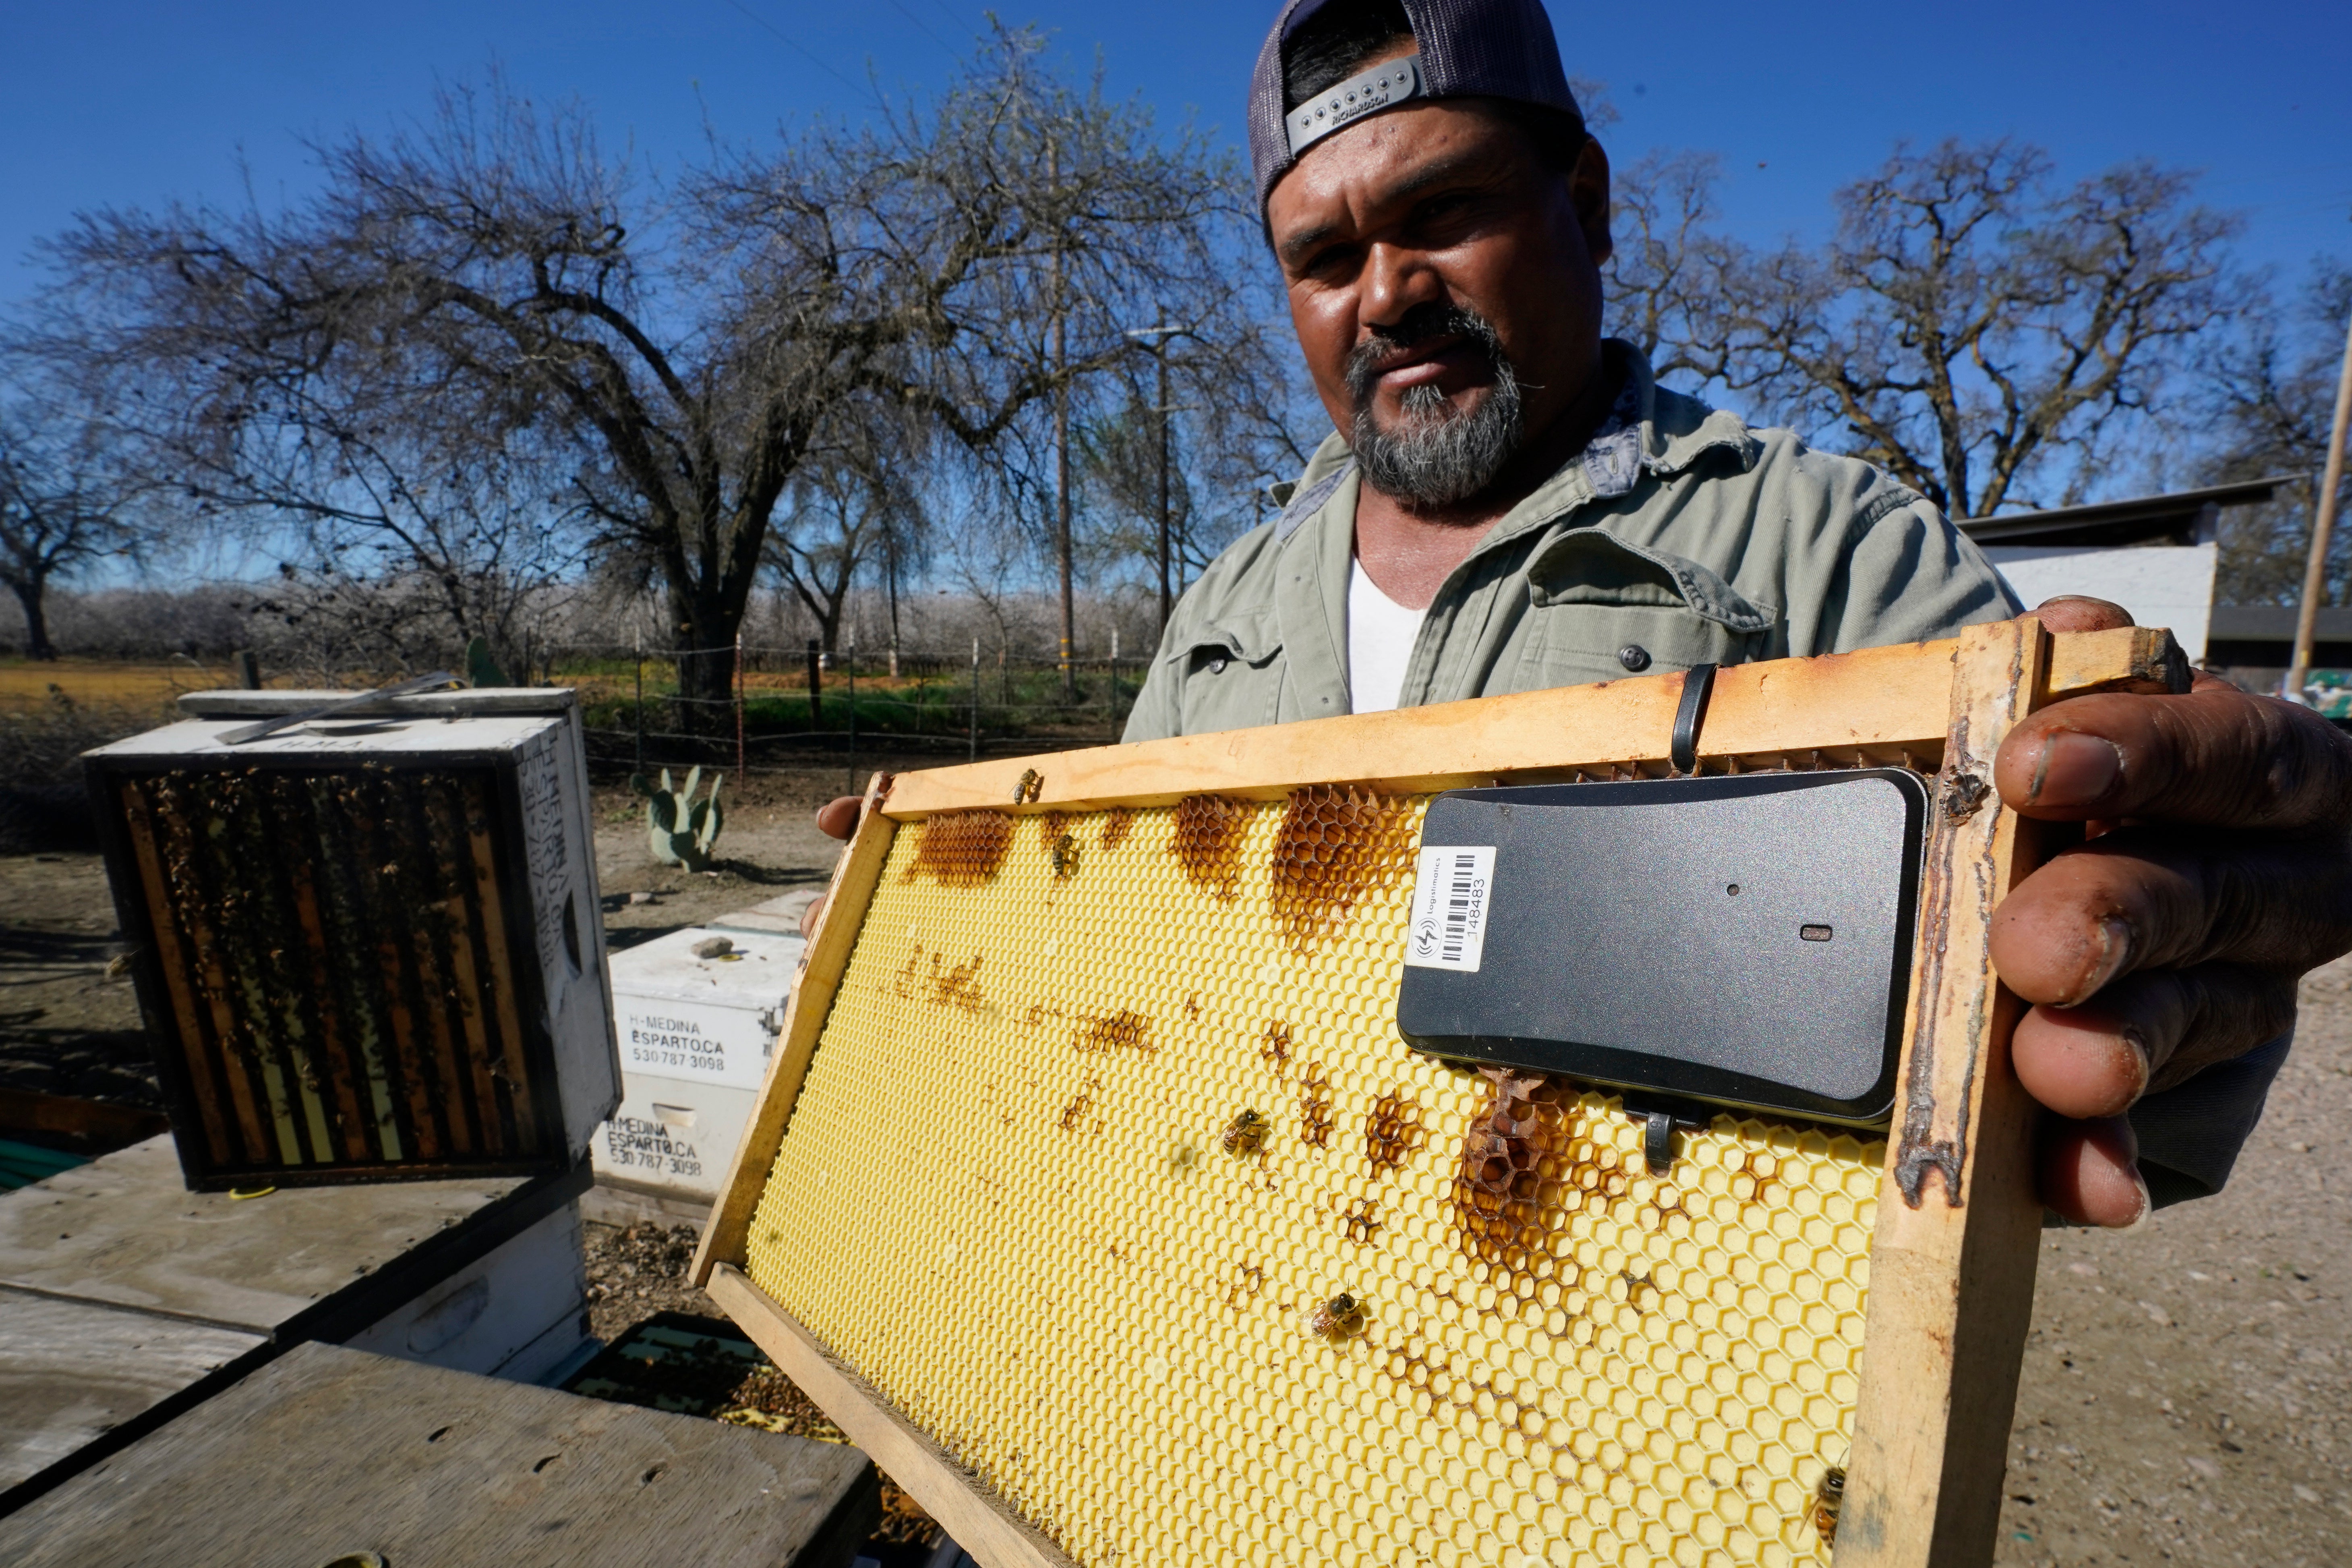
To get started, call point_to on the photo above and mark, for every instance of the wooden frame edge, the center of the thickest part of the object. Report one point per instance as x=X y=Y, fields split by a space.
x=1957 y=1239
x=948 y=1493
x=1841 y=707
x=854 y=874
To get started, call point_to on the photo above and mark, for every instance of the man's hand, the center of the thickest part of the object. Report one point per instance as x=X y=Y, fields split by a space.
x=836 y=818
x=2217 y=870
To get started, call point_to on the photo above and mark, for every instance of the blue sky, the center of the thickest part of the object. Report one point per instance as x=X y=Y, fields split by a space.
x=121 y=102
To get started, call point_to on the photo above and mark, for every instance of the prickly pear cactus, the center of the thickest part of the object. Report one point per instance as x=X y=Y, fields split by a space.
x=481 y=669
x=681 y=830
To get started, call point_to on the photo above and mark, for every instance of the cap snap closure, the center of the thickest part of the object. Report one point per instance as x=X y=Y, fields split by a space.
x=1633 y=656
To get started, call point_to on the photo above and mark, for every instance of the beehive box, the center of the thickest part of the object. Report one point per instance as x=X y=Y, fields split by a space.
x=367 y=948
x=1096 y=1194
x=696 y=1033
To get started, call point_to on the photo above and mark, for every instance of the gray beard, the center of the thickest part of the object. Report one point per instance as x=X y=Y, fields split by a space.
x=1436 y=456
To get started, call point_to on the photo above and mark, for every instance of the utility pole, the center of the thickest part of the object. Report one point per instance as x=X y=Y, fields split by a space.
x=1167 y=601
x=890 y=581
x=1062 y=439
x=2315 y=572
x=1163 y=412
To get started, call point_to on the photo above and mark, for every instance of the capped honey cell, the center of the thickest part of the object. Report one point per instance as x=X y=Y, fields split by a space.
x=1555 y=1356
x=960 y=848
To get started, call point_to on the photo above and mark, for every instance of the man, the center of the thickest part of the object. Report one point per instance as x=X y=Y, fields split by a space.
x=1509 y=502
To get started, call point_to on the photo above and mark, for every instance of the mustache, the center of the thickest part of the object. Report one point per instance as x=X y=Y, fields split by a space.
x=1415 y=327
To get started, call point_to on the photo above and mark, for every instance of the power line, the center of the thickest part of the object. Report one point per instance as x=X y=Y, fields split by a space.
x=794 y=44
x=953 y=18
x=922 y=27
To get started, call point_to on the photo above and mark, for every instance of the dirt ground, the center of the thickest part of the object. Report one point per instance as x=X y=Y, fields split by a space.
x=636 y=1270
x=769 y=847
x=65 y=1027
x=2187 y=1395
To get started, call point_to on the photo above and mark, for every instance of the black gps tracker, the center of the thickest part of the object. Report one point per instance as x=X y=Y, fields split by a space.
x=1744 y=940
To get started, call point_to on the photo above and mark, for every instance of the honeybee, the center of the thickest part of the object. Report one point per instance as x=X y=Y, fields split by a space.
x=1031 y=781
x=1244 y=1134
x=1829 y=1496
x=1065 y=855
x=1337 y=1318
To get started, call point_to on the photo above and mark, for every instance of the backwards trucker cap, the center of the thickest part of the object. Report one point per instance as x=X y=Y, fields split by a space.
x=1465 y=49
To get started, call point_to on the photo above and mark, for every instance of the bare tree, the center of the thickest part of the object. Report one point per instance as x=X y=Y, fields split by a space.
x=494 y=276
x=1667 y=263
x=401 y=543
x=1970 y=326
x=1237 y=419
x=853 y=505
x=67 y=500
x=2274 y=389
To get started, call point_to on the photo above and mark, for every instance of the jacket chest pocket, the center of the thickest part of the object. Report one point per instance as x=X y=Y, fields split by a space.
x=1602 y=609
x=1232 y=676
x=1568 y=644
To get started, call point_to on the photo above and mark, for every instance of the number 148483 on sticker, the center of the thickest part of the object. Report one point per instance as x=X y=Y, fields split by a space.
x=1453 y=886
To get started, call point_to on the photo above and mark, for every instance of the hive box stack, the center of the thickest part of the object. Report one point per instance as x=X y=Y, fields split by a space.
x=696 y=1033
x=369 y=947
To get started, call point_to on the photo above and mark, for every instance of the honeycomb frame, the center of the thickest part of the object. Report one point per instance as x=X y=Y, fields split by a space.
x=1190 y=1259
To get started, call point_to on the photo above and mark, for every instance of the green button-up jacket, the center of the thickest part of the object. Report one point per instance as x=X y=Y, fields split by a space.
x=1685 y=534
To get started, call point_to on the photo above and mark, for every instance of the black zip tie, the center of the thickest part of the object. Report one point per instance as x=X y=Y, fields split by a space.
x=1698 y=681
x=1658 y=1142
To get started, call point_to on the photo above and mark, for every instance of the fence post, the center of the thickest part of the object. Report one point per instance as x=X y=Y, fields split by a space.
x=641 y=702
x=739 y=712
x=816 y=683
x=853 y=715
x=248 y=670
x=975 y=700
x=1110 y=687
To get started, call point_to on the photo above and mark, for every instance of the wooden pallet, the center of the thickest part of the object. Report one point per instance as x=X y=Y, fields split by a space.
x=1952 y=1256
x=336 y=1456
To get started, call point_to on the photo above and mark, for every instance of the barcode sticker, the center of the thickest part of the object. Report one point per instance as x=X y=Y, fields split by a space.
x=1451 y=891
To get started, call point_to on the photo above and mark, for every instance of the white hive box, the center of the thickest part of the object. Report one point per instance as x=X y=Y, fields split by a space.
x=368 y=946
x=696 y=1037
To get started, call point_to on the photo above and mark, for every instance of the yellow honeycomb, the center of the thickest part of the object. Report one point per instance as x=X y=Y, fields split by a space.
x=1112 y=1174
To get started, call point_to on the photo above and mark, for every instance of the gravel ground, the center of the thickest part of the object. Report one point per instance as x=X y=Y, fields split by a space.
x=769 y=847
x=637 y=1270
x=2187 y=1390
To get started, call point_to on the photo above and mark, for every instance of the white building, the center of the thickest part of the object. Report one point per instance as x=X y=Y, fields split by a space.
x=2155 y=555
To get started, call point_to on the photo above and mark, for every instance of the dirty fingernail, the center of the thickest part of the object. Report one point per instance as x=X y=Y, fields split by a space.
x=2076 y=770
x=2140 y=1064
x=2115 y=945
x=2146 y=1202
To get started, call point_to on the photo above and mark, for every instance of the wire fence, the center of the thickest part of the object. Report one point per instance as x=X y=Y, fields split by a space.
x=788 y=706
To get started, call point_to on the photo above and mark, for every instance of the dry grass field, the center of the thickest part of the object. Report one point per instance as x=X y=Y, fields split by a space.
x=25 y=686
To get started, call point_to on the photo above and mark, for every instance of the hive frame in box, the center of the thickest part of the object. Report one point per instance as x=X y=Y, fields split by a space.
x=1954 y=1248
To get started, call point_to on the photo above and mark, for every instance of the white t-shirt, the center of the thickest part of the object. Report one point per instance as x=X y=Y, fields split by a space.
x=1381 y=635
